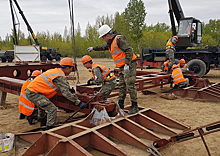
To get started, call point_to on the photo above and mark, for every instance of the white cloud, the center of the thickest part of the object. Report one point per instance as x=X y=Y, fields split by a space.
x=53 y=15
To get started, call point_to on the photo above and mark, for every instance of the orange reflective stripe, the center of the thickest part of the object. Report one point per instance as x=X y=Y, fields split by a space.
x=117 y=54
x=25 y=106
x=44 y=83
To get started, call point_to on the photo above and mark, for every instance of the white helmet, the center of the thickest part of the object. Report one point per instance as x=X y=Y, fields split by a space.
x=103 y=30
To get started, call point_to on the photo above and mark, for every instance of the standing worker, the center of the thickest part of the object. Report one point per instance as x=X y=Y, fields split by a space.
x=45 y=86
x=100 y=75
x=125 y=60
x=27 y=108
x=178 y=78
x=170 y=48
x=183 y=65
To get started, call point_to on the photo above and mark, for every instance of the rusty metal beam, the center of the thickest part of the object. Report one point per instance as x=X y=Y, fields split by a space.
x=76 y=136
x=13 y=86
x=202 y=89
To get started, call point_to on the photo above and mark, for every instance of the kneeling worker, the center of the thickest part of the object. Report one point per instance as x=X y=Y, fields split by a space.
x=100 y=75
x=183 y=65
x=45 y=86
x=27 y=108
x=178 y=78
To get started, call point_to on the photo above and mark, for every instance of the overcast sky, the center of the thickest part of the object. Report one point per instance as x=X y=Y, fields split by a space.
x=53 y=15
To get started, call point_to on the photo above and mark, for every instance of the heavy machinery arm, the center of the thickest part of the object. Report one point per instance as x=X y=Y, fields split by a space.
x=175 y=8
x=45 y=52
x=25 y=20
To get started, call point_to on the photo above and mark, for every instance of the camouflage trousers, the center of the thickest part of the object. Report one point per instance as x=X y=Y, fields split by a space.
x=107 y=88
x=127 y=82
x=170 y=56
x=184 y=83
x=44 y=105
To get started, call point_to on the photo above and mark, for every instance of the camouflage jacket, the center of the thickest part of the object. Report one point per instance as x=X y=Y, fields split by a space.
x=63 y=85
x=123 y=44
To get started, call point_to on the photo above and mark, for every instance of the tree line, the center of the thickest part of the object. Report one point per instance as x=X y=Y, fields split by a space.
x=130 y=23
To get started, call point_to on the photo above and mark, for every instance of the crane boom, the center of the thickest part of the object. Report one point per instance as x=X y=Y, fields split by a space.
x=26 y=22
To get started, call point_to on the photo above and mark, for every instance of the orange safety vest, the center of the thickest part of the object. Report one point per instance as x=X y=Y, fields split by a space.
x=117 y=54
x=44 y=83
x=177 y=76
x=106 y=73
x=26 y=107
x=185 y=65
x=166 y=65
x=170 y=45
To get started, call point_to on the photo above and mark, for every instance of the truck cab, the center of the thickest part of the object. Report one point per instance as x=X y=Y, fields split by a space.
x=189 y=33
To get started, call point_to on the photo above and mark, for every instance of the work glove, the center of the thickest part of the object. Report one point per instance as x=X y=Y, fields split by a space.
x=89 y=82
x=72 y=90
x=90 y=49
x=126 y=68
x=82 y=105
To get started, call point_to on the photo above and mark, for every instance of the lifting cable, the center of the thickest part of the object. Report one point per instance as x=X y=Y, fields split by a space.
x=70 y=2
x=18 y=22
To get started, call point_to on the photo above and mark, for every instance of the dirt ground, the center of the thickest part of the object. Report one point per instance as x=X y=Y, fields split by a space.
x=188 y=112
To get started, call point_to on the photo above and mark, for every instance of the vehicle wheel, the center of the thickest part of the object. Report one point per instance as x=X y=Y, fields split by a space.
x=10 y=59
x=44 y=58
x=58 y=58
x=3 y=60
x=207 y=69
x=198 y=66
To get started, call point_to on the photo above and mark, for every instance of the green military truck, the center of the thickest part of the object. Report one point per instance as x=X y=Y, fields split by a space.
x=50 y=54
x=7 y=55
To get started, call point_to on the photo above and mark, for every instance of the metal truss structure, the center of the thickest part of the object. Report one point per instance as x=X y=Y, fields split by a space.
x=138 y=130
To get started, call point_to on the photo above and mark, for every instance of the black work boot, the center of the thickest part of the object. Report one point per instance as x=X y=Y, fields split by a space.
x=121 y=104
x=134 y=108
x=22 y=116
x=49 y=127
x=30 y=120
x=43 y=121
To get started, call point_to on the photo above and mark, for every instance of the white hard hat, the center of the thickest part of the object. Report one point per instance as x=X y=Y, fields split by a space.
x=103 y=30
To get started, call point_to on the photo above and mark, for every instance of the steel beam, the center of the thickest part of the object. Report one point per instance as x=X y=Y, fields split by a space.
x=74 y=138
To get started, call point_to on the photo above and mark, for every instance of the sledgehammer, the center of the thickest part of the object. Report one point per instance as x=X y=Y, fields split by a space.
x=81 y=108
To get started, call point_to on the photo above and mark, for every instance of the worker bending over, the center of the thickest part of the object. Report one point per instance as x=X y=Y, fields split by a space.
x=45 y=86
x=170 y=49
x=183 y=65
x=125 y=60
x=100 y=75
x=178 y=78
x=27 y=108
x=164 y=66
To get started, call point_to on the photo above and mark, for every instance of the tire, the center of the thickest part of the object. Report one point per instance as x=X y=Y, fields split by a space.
x=58 y=58
x=10 y=59
x=207 y=69
x=3 y=60
x=198 y=66
x=44 y=58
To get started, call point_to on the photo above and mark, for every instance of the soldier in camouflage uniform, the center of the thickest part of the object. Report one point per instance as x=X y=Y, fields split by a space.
x=101 y=75
x=45 y=86
x=170 y=48
x=125 y=60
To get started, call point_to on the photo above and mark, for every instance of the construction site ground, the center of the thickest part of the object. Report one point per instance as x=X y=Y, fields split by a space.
x=185 y=111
